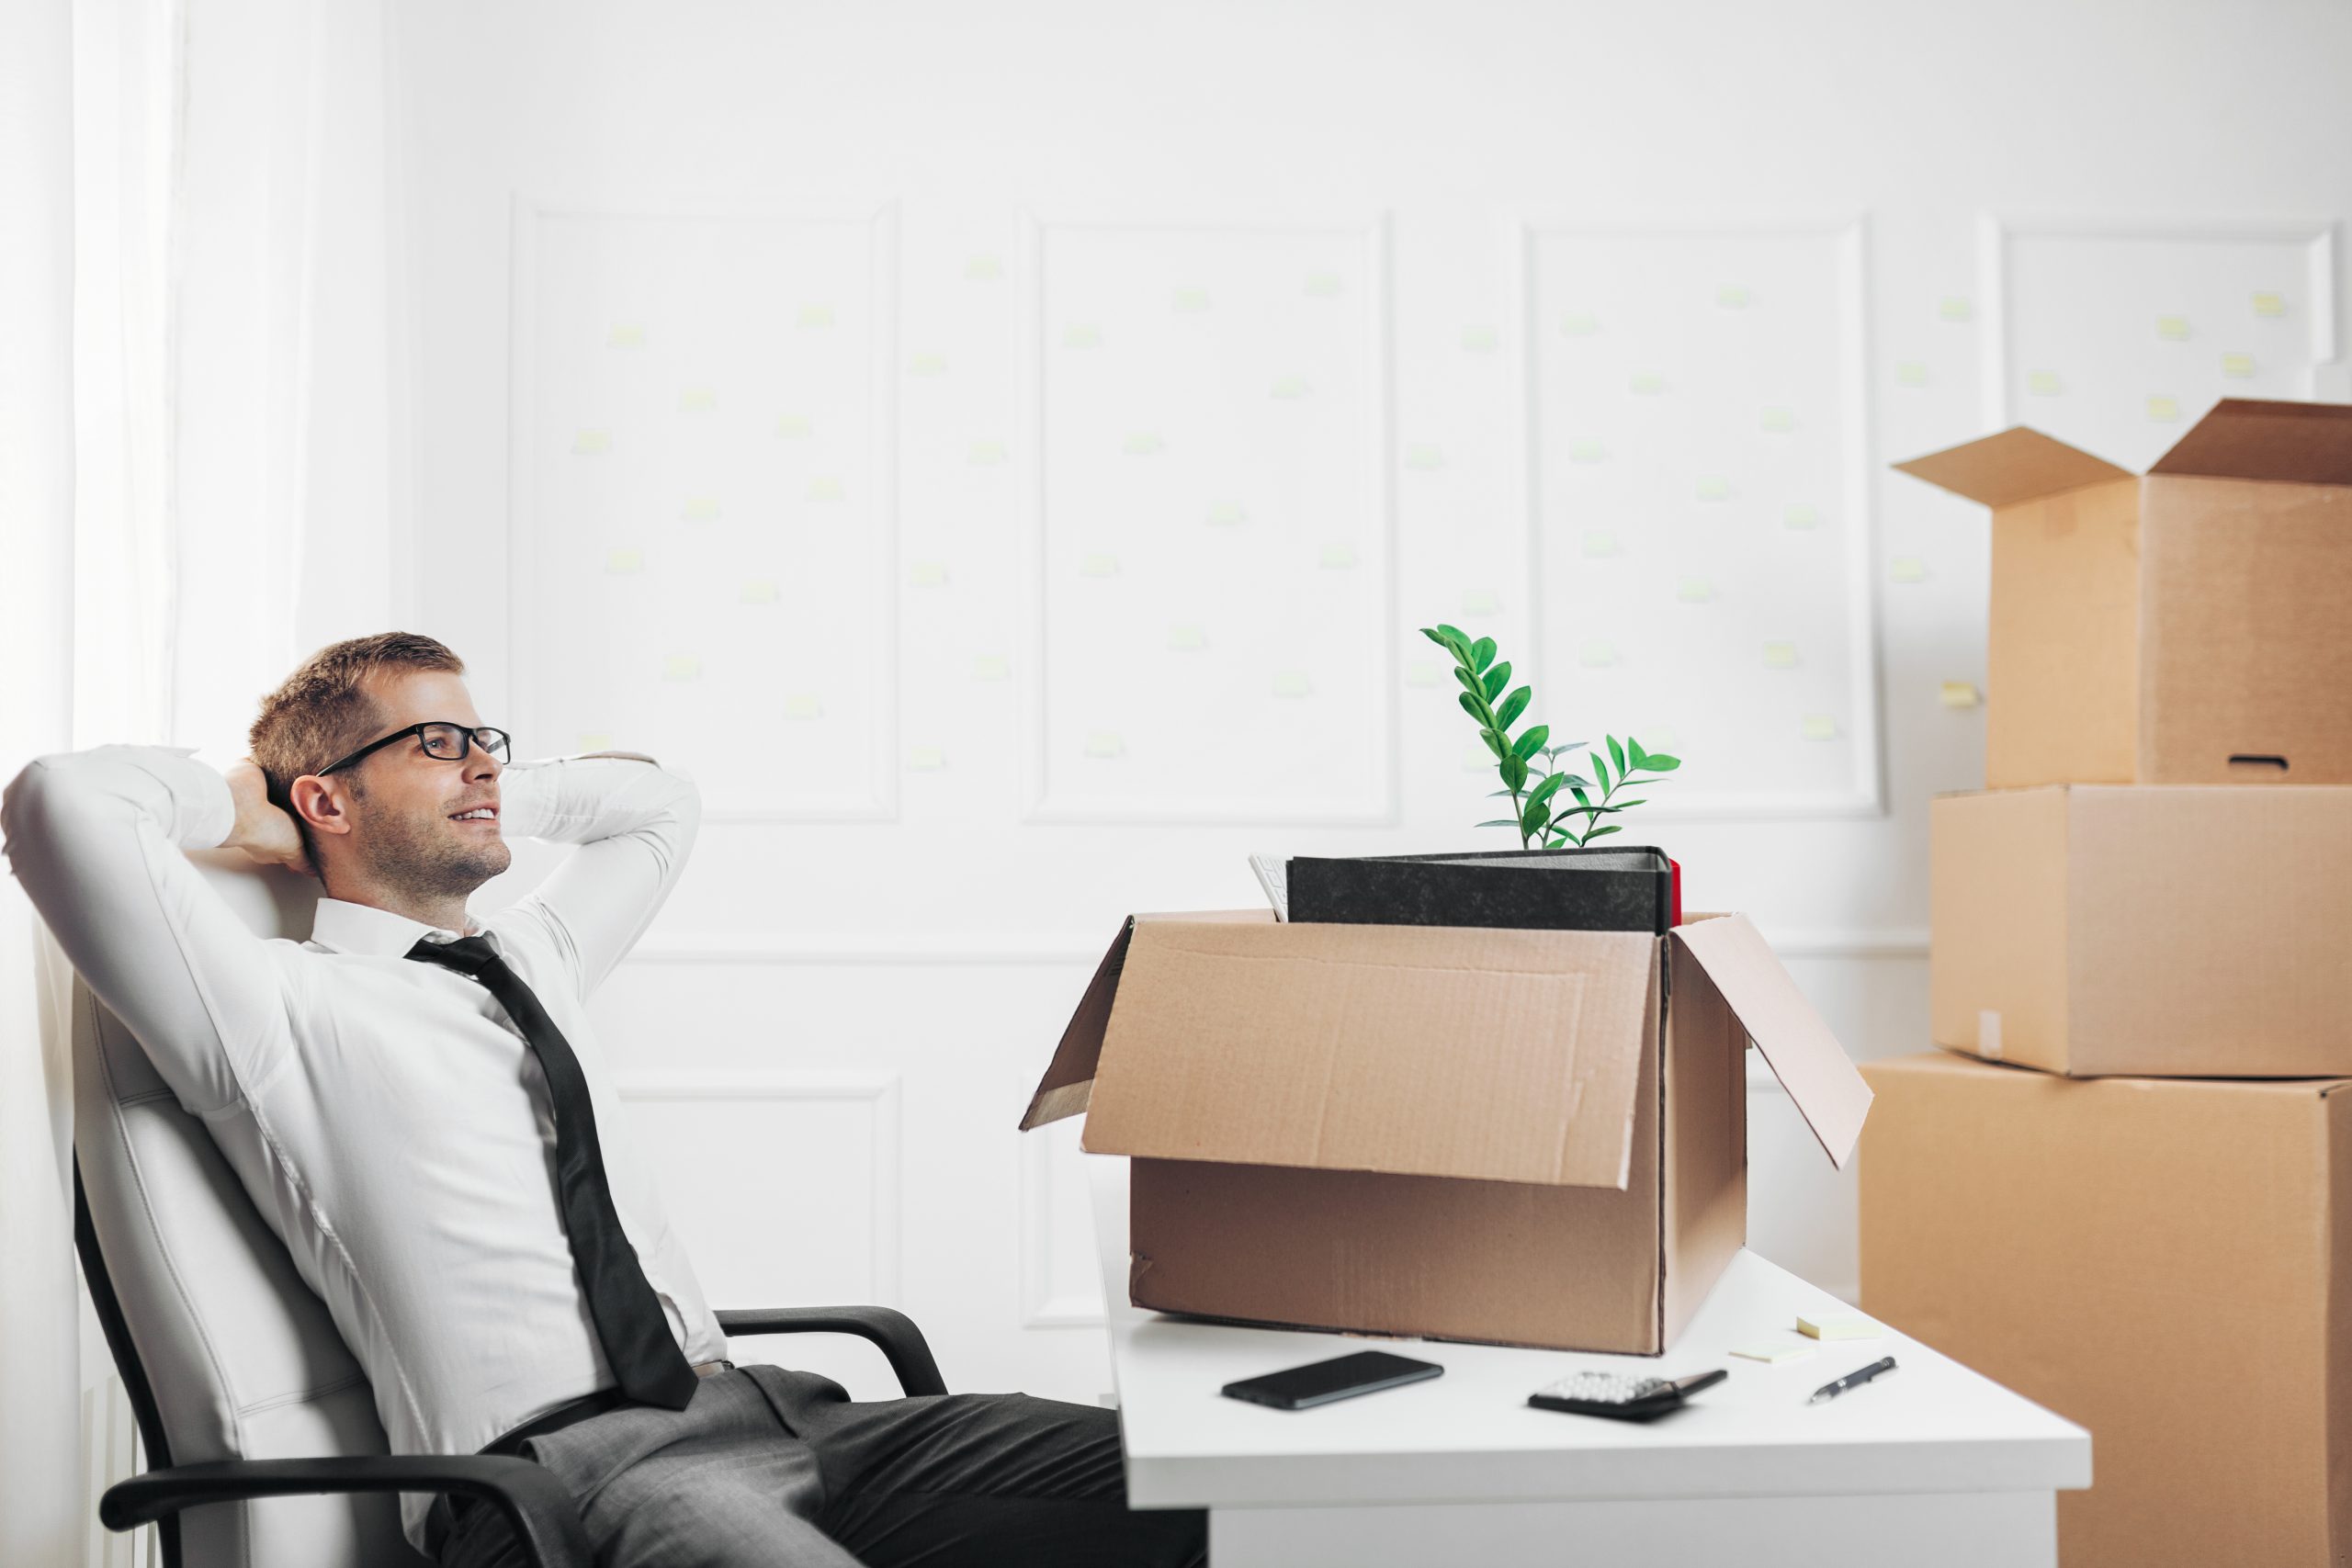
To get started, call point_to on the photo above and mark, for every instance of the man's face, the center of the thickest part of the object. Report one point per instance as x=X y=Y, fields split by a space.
x=409 y=826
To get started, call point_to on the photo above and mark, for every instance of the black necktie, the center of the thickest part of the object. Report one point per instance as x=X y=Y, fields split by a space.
x=636 y=1337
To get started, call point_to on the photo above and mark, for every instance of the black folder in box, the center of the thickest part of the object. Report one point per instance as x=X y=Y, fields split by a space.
x=1628 y=889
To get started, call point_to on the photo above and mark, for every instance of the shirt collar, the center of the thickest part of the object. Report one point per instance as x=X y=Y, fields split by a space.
x=380 y=933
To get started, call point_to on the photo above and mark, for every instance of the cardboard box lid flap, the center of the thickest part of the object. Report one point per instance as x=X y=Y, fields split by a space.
x=2019 y=464
x=2248 y=438
x=1486 y=1053
x=1821 y=1078
x=1068 y=1082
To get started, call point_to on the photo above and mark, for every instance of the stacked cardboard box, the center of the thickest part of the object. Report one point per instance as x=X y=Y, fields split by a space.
x=2128 y=1192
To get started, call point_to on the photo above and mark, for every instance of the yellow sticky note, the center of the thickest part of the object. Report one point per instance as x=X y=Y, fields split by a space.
x=701 y=509
x=1838 y=1325
x=1588 y=451
x=1645 y=384
x=1423 y=672
x=1598 y=542
x=627 y=337
x=1734 y=297
x=1290 y=388
x=1228 y=514
x=1338 y=557
x=803 y=705
x=1797 y=515
x=986 y=454
x=2173 y=329
x=1953 y=308
x=1477 y=759
x=1694 y=591
x=1103 y=744
x=1478 y=340
x=1321 y=286
x=1818 y=727
x=1190 y=301
x=1579 y=323
x=1780 y=655
x=1480 y=602
x=2237 y=366
x=1423 y=456
x=590 y=443
x=2269 y=302
x=1910 y=373
x=622 y=562
x=2044 y=384
x=759 y=592
x=1291 y=683
x=926 y=759
x=1907 y=568
x=1712 y=487
x=1958 y=694
x=2163 y=408
x=680 y=667
x=929 y=573
x=927 y=364
x=991 y=667
x=982 y=269
x=1778 y=421
x=1596 y=655
x=1082 y=337
x=826 y=490
x=815 y=315
x=595 y=740
x=792 y=427
x=697 y=400
x=1143 y=443
x=1773 y=1353
x=1098 y=563
x=1186 y=639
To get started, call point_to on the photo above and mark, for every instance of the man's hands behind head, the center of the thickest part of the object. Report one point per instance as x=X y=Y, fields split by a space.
x=264 y=831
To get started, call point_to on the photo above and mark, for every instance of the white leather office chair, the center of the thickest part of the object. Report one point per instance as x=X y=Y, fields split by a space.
x=242 y=1388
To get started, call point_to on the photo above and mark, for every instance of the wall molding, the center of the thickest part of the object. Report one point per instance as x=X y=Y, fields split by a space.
x=523 y=538
x=1994 y=231
x=885 y=1217
x=1041 y=1306
x=1848 y=232
x=1039 y=807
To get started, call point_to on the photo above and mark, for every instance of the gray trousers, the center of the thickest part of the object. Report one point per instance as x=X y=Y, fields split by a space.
x=769 y=1468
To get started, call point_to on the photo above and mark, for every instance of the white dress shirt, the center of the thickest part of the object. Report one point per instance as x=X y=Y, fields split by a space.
x=385 y=1115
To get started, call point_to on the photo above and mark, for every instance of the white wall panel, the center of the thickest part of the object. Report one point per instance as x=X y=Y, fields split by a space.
x=2118 y=337
x=1210 y=634
x=1699 y=480
x=702 y=528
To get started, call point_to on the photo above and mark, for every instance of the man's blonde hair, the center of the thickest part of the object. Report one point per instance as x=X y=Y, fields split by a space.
x=323 y=711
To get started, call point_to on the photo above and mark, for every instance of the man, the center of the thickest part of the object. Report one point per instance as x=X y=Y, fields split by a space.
x=415 y=1100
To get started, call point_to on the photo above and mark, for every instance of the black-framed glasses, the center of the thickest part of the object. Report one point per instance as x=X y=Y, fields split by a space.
x=447 y=742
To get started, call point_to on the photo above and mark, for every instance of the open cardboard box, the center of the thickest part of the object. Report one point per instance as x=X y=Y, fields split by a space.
x=1527 y=1137
x=2182 y=628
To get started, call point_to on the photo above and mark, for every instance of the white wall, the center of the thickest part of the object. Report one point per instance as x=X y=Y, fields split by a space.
x=1003 y=451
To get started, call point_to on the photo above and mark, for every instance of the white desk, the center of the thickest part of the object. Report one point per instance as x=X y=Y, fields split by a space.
x=1931 y=1467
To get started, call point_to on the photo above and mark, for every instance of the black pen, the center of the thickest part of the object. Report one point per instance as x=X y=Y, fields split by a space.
x=1851 y=1379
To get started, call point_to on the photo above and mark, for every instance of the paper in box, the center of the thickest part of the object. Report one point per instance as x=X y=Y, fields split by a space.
x=1531 y=1138
x=2162 y=1261
x=2164 y=931
x=2183 y=626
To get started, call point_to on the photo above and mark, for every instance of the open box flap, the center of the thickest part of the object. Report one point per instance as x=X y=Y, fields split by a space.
x=1797 y=1045
x=2248 y=438
x=2019 y=464
x=1500 y=1055
x=1069 y=1076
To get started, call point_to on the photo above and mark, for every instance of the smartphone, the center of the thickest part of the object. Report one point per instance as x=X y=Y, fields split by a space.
x=1343 y=1377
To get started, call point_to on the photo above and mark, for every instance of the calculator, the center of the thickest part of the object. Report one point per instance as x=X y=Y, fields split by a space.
x=1621 y=1395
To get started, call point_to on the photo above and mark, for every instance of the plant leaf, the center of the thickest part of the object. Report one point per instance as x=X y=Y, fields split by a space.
x=1453 y=633
x=1513 y=706
x=1492 y=683
x=1494 y=742
x=1600 y=769
x=1471 y=706
x=1470 y=682
x=1613 y=827
x=1531 y=820
x=1499 y=822
x=1482 y=653
x=1549 y=787
x=1514 y=772
x=1617 y=755
x=1634 y=749
x=1577 y=788
x=1532 y=741
x=1578 y=779
x=1438 y=638
x=1660 y=763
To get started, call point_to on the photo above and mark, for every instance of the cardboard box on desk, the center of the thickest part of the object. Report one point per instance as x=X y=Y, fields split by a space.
x=1528 y=1137
x=2183 y=627
x=2162 y=1261
x=2175 y=932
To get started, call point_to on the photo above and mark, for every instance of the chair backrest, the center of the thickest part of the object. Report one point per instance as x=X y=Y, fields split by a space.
x=226 y=1352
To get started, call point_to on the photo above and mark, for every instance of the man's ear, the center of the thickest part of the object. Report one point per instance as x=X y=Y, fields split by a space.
x=321 y=805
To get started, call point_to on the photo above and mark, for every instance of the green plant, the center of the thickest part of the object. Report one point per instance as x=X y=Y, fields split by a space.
x=1537 y=813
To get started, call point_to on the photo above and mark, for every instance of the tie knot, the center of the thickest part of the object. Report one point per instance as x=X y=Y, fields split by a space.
x=467 y=955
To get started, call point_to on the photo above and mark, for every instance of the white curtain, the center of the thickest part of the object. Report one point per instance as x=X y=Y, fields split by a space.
x=198 y=486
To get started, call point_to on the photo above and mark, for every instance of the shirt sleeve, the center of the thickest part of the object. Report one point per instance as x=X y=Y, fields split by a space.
x=97 y=839
x=635 y=823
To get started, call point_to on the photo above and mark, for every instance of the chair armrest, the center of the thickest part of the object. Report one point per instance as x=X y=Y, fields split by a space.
x=546 y=1522
x=900 y=1341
